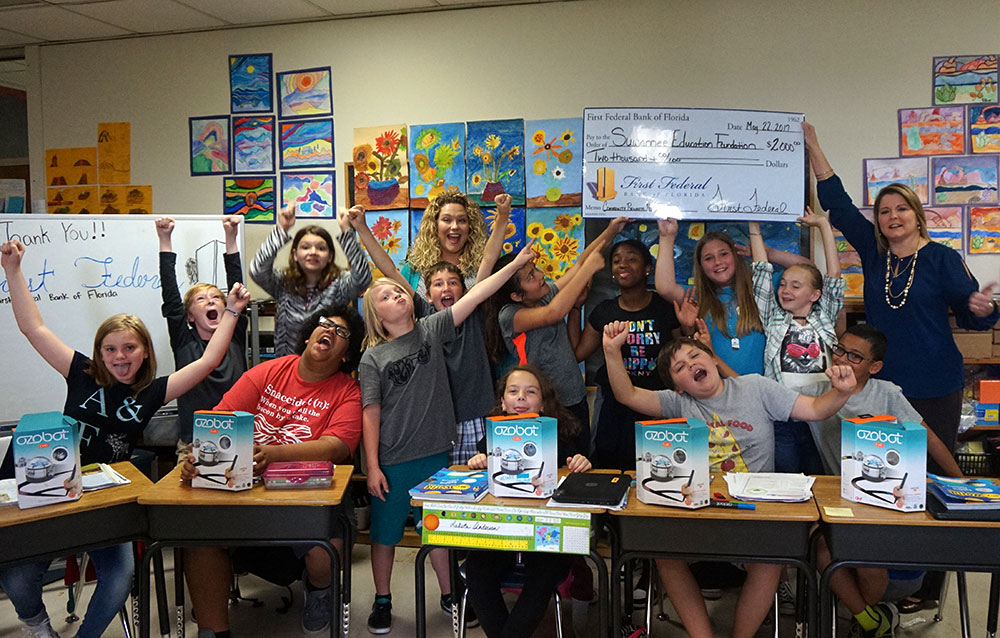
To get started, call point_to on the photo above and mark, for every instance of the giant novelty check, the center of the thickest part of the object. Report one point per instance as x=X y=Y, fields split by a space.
x=710 y=164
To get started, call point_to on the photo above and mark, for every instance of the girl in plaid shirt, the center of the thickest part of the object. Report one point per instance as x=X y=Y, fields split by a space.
x=799 y=331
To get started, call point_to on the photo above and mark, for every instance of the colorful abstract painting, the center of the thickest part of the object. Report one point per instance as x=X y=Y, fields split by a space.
x=882 y=171
x=984 y=230
x=965 y=79
x=437 y=161
x=932 y=131
x=71 y=166
x=209 y=145
x=968 y=179
x=114 y=152
x=313 y=194
x=944 y=225
x=251 y=197
x=494 y=160
x=73 y=200
x=984 y=129
x=780 y=235
x=558 y=235
x=307 y=144
x=513 y=237
x=391 y=229
x=381 y=172
x=305 y=93
x=126 y=200
x=250 y=89
x=553 y=157
x=850 y=266
x=253 y=144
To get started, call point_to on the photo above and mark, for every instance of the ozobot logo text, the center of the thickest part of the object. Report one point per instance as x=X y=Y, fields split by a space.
x=42 y=437
x=673 y=437
x=221 y=424
x=516 y=430
x=880 y=437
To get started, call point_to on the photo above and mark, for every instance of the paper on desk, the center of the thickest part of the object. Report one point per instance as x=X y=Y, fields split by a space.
x=769 y=486
x=99 y=476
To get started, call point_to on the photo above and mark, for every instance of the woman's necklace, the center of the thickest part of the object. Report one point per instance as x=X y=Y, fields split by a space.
x=892 y=272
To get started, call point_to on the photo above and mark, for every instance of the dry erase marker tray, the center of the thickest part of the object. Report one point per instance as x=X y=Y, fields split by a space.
x=298 y=475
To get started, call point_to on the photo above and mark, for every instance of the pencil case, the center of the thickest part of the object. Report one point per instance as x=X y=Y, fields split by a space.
x=298 y=475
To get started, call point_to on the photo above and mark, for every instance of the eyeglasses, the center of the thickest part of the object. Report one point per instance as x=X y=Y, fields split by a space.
x=855 y=358
x=329 y=324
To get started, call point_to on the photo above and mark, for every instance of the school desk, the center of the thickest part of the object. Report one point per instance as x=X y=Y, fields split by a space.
x=868 y=536
x=770 y=533
x=182 y=516
x=595 y=558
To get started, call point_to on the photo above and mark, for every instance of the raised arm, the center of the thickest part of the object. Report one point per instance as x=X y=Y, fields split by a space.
x=29 y=320
x=172 y=308
x=826 y=405
x=360 y=273
x=758 y=249
x=830 y=254
x=556 y=310
x=639 y=399
x=817 y=158
x=485 y=288
x=192 y=374
x=491 y=252
x=379 y=257
x=665 y=278
x=586 y=342
x=262 y=266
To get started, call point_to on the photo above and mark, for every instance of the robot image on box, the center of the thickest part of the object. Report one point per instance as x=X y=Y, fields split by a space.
x=46 y=460
x=523 y=455
x=672 y=464
x=223 y=450
x=884 y=463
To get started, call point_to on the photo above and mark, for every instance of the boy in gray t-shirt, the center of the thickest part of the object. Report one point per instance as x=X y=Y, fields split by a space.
x=740 y=413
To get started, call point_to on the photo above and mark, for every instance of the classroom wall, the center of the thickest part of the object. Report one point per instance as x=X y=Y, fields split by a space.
x=849 y=65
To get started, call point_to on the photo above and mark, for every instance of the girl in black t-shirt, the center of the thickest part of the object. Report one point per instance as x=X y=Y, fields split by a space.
x=113 y=395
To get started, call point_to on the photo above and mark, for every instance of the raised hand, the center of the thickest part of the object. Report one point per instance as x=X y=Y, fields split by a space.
x=668 y=227
x=702 y=334
x=11 y=253
x=286 y=217
x=238 y=299
x=981 y=302
x=687 y=310
x=164 y=227
x=503 y=202
x=615 y=334
x=842 y=378
x=813 y=220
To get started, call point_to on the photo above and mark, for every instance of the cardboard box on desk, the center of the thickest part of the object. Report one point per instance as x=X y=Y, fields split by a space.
x=974 y=345
x=47 y=459
x=671 y=467
x=523 y=455
x=884 y=463
x=223 y=450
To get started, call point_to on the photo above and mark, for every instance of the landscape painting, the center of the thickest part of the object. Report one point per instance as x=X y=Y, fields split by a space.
x=250 y=87
x=306 y=143
x=71 y=166
x=965 y=79
x=209 y=145
x=305 y=93
x=968 y=179
x=251 y=197
x=932 y=131
x=984 y=230
x=253 y=144
x=882 y=171
x=312 y=194
x=944 y=225
x=984 y=129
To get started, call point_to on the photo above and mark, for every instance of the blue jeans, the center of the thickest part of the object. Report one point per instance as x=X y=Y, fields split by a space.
x=795 y=450
x=115 y=568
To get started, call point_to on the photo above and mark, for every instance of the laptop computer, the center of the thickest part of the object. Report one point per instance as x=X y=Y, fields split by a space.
x=585 y=488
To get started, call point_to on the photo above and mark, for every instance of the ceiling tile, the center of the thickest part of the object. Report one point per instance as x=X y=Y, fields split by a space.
x=258 y=11
x=356 y=7
x=148 y=16
x=54 y=23
x=10 y=39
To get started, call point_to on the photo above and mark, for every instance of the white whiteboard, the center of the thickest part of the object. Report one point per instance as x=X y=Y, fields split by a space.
x=83 y=269
x=711 y=164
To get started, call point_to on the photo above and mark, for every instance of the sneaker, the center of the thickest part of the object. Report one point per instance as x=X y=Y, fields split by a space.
x=380 y=620
x=41 y=629
x=890 y=620
x=641 y=591
x=471 y=620
x=315 y=615
x=711 y=593
x=786 y=598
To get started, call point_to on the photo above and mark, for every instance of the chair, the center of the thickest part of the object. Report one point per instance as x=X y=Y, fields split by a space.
x=513 y=582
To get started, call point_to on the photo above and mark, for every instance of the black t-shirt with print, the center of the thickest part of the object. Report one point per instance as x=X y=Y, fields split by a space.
x=111 y=419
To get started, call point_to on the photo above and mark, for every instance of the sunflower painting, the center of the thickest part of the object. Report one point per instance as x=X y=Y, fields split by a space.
x=390 y=229
x=513 y=237
x=553 y=157
x=558 y=235
x=494 y=160
x=437 y=161
x=381 y=173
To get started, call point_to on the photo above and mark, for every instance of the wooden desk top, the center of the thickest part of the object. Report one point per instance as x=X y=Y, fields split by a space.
x=171 y=491
x=789 y=512
x=827 y=493
x=100 y=499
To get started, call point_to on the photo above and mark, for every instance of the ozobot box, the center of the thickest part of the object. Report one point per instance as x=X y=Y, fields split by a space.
x=523 y=455
x=671 y=467
x=223 y=450
x=884 y=463
x=47 y=459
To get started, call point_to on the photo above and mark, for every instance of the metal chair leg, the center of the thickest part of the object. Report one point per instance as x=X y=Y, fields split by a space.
x=777 y=616
x=124 y=615
x=559 y=618
x=942 y=597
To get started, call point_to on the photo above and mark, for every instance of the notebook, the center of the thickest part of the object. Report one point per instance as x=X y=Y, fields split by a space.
x=593 y=489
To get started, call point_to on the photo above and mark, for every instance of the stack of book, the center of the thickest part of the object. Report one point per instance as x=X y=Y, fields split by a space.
x=963 y=499
x=461 y=486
